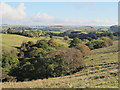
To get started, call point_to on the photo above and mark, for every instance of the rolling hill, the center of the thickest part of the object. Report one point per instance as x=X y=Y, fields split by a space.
x=11 y=41
x=100 y=71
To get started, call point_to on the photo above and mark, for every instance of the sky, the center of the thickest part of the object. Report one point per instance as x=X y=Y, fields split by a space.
x=59 y=13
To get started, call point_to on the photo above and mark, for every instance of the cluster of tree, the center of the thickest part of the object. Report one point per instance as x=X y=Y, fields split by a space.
x=114 y=28
x=77 y=43
x=43 y=59
x=117 y=34
x=53 y=64
x=9 y=61
x=48 y=58
x=89 y=36
x=100 y=43
x=89 y=45
x=31 y=33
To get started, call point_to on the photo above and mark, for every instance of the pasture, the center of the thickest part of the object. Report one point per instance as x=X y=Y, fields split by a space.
x=11 y=41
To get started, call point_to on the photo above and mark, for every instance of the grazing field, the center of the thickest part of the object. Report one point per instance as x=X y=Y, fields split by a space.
x=11 y=41
x=100 y=71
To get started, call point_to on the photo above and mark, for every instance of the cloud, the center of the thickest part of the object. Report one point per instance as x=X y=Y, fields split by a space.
x=10 y=14
x=42 y=17
x=18 y=16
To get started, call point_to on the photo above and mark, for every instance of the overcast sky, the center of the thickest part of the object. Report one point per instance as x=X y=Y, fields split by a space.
x=59 y=13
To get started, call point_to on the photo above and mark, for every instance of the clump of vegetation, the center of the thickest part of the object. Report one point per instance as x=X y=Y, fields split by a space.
x=44 y=59
x=58 y=63
x=31 y=33
x=75 y=42
x=66 y=38
x=73 y=58
x=100 y=43
x=78 y=44
x=9 y=61
x=6 y=78
x=84 y=49
x=107 y=41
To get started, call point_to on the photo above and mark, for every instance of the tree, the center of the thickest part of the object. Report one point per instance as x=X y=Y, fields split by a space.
x=66 y=37
x=75 y=42
x=52 y=42
x=42 y=44
x=53 y=64
x=9 y=61
x=84 y=49
x=34 y=51
x=8 y=30
x=72 y=57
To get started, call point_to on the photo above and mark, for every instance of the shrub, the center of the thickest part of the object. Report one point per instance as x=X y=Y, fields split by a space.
x=34 y=51
x=100 y=43
x=9 y=61
x=6 y=78
x=84 y=49
x=107 y=41
x=75 y=42
x=72 y=57
x=42 y=44
x=95 y=44
x=66 y=38
x=52 y=42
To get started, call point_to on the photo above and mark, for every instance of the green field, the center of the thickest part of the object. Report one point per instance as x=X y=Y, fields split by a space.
x=11 y=41
x=101 y=71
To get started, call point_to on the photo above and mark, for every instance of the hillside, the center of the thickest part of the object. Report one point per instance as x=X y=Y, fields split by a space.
x=100 y=72
x=11 y=41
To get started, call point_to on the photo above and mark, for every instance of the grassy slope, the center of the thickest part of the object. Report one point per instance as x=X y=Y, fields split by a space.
x=100 y=72
x=10 y=41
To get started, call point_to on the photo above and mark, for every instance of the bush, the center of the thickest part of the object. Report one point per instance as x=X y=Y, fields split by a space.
x=95 y=44
x=34 y=51
x=84 y=49
x=6 y=78
x=42 y=44
x=72 y=57
x=66 y=38
x=9 y=61
x=107 y=43
x=100 y=43
x=75 y=42
x=52 y=42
